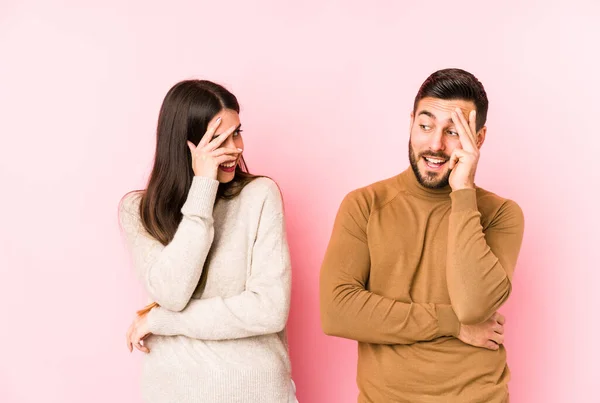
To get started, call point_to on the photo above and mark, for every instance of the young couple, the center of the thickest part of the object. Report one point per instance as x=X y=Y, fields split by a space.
x=415 y=271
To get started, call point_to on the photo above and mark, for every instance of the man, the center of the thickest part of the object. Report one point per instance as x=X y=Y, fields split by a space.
x=418 y=264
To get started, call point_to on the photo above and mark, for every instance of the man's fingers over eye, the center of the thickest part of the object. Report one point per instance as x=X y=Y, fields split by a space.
x=465 y=137
x=473 y=122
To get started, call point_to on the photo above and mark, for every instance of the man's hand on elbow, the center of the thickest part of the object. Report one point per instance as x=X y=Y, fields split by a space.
x=488 y=334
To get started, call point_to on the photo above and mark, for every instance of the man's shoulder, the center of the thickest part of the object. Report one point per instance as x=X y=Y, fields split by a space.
x=491 y=205
x=491 y=199
x=376 y=195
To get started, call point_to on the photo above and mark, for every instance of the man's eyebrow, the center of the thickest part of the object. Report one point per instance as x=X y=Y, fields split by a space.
x=427 y=113
x=432 y=116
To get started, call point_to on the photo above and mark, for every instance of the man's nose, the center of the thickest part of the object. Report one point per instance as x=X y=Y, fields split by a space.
x=436 y=142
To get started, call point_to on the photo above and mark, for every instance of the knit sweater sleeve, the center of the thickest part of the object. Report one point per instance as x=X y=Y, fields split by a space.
x=262 y=308
x=480 y=264
x=171 y=273
x=350 y=310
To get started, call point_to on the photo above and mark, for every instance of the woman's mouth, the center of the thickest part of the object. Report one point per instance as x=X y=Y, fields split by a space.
x=228 y=166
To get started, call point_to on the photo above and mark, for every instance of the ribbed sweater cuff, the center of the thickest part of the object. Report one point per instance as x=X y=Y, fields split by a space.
x=448 y=324
x=201 y=197
x=464 y=199
x=159 y=322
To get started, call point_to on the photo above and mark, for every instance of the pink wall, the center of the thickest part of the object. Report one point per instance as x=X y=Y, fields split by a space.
x=326 y=89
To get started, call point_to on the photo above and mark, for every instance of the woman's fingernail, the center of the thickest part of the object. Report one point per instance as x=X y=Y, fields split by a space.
x=240 y=150
x=218 y=120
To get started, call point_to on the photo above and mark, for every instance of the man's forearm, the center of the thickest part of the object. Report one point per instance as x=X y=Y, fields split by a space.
x=480 y=265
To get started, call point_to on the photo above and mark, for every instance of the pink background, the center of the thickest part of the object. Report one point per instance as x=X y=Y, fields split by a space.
x=326 y=89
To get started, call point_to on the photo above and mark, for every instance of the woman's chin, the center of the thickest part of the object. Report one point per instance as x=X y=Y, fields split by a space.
x=225 y=177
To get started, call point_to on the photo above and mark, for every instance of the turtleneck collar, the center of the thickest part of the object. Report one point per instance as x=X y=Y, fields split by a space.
x=409 y=179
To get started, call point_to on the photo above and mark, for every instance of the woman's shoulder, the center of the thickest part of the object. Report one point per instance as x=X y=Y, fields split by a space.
x=263 y=186
x=129 y=207
x=265 y=191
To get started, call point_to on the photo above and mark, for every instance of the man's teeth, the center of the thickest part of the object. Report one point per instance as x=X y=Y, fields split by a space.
x=228 y=164
x=434 y=160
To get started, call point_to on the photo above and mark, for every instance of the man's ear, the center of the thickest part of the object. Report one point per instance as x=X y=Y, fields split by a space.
x=481 y=136
x=412 y=120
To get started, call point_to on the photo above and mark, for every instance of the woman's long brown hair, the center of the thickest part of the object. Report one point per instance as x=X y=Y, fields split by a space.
x=186 y=111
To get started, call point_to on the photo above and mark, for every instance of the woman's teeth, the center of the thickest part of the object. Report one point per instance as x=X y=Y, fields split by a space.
x=228 y=164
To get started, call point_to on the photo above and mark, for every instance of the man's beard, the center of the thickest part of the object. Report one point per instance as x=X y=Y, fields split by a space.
x=430 y=180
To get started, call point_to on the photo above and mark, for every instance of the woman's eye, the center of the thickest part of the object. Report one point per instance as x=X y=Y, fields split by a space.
x=237 y=132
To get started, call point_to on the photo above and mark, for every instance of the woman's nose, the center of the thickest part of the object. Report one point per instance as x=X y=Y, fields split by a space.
x=229 y=143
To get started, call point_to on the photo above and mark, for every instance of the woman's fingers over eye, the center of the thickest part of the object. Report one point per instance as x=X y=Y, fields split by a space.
x=217 y=141
x=210 y=132
x=225 y=150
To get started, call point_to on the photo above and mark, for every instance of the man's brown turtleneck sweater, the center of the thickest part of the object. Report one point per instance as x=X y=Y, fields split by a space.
x=404 y=267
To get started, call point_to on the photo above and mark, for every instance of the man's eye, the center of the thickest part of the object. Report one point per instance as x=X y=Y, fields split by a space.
x=425 y=127
x=452 y=133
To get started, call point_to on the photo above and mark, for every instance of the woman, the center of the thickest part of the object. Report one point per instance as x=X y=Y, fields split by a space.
x=208 y=243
